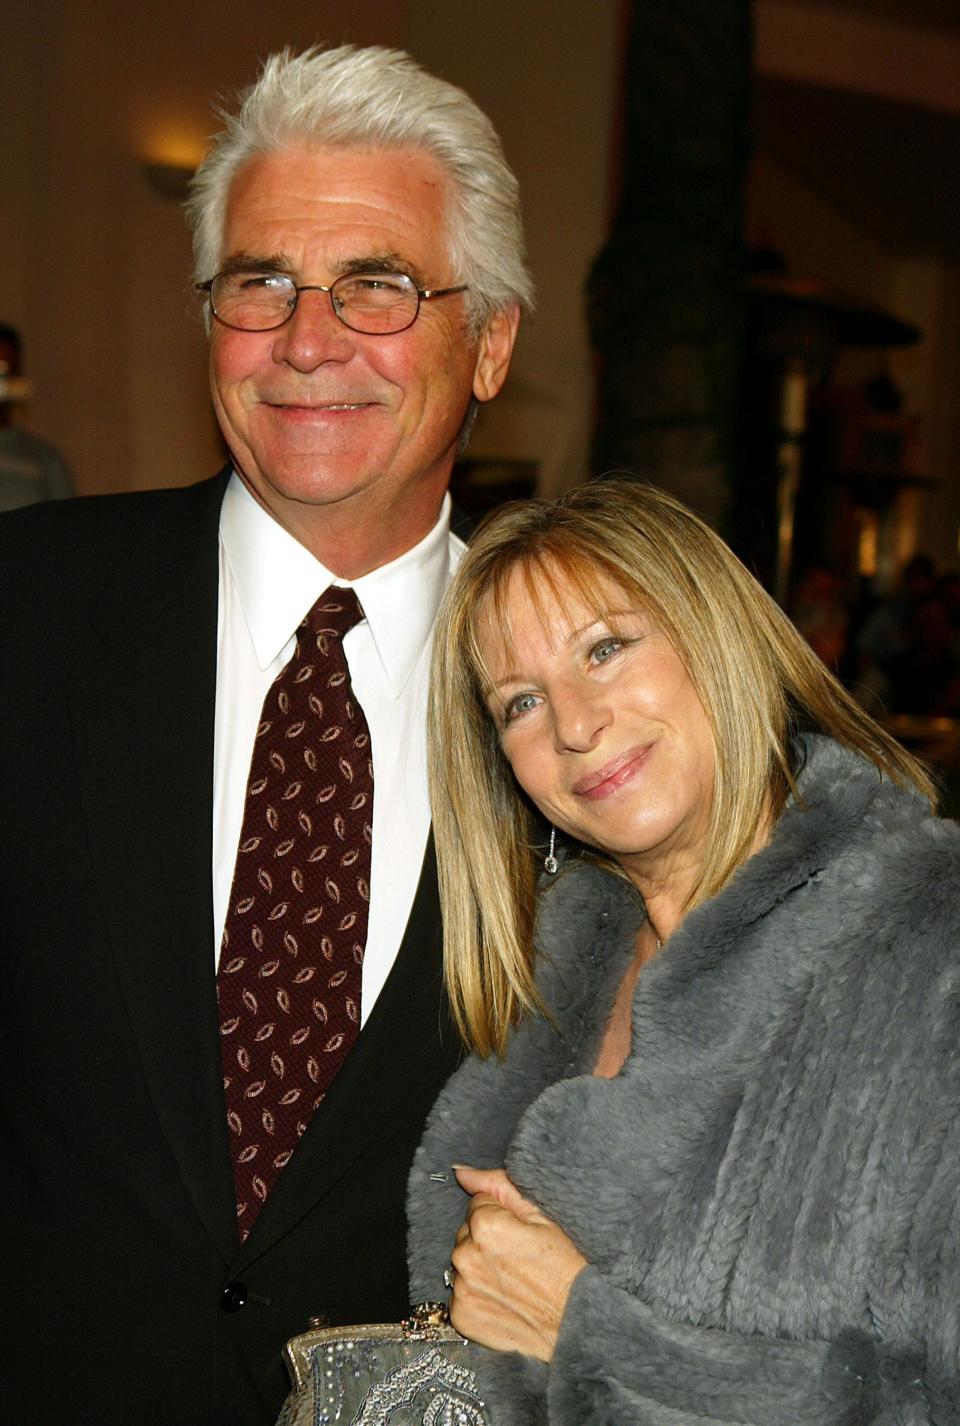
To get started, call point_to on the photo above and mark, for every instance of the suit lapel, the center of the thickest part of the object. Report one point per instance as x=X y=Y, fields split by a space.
x=407 y=1032
x=144 y=717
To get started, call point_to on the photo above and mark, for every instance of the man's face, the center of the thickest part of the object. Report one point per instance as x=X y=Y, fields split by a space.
x=323 y=421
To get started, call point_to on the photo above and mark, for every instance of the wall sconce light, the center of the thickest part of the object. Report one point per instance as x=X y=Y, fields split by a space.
x=168 y=180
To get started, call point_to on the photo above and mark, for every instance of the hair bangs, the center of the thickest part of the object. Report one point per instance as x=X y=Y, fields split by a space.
x=551 y=569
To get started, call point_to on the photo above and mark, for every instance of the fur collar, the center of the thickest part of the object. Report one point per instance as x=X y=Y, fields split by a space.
x=843 y=803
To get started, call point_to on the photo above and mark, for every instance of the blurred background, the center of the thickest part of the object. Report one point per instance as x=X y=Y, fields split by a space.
x=743 y=222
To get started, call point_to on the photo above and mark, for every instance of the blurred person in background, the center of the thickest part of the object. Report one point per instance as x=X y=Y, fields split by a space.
x=31 y=469
x=906 y=657
x=820 y=614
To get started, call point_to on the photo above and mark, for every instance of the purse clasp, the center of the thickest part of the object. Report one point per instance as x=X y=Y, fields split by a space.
x=425 y=1321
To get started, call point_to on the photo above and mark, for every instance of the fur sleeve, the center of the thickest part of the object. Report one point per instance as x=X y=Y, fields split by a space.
x=472 y=1122
x=617 y=1363
x=589 y=919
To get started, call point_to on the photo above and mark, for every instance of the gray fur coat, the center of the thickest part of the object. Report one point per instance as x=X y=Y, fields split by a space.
x=767 y=1193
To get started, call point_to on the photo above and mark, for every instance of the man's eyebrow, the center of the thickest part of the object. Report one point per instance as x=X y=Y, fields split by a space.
x=380 y=262
x=243 y=261
x=390 y=261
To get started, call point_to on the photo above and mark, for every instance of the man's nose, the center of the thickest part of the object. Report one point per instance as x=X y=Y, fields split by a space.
x=314 y=334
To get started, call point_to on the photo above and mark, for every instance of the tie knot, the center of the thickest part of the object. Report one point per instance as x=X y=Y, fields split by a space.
x=334 y=615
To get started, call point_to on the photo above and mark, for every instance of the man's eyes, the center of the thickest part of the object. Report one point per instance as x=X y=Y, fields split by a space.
x=380 y=280
x=262 y=282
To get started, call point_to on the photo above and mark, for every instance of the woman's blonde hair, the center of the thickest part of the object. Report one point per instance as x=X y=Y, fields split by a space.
x=757 y=679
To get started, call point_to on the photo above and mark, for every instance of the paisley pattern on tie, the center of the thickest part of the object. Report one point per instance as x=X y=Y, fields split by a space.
x=290 y=962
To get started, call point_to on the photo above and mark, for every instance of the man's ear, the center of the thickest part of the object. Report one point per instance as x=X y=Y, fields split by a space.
x=494 y=352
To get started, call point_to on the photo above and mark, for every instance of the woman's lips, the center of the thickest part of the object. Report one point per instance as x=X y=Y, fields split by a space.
x=613 y=775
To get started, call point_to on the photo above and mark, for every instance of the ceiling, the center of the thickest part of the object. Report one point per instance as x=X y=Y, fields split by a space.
x=891 y=168
x=928 y=14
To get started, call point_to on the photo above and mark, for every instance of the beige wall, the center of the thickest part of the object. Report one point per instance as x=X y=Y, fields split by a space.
x=95 y=265
x=547 y=72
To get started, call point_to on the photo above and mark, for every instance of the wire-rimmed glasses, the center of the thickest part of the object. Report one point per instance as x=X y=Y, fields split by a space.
x=376 y=303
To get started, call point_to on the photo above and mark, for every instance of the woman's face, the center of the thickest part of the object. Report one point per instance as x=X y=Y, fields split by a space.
x=602 y=727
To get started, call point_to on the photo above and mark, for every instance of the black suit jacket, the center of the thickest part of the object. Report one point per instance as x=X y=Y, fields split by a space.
x=127 y=1297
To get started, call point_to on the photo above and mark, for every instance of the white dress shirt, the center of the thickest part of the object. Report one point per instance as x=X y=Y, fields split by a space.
x=268 y=582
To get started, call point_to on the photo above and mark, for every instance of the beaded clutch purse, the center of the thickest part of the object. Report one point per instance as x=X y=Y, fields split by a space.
x=411 y=1373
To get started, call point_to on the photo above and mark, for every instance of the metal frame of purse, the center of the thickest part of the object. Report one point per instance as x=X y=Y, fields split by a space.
x=411 y=1373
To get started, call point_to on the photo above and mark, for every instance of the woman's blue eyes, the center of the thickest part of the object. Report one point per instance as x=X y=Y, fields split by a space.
x=605 y=649
x=521 y=704
x=601 y=652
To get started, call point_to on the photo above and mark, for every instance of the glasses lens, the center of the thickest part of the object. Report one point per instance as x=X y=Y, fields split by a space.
x=375 y=301
x=253 y=301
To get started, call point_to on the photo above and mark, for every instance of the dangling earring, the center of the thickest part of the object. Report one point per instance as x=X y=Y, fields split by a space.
x=550 y=863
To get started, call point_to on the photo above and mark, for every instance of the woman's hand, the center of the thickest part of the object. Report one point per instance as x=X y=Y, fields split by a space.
x=514 y=1268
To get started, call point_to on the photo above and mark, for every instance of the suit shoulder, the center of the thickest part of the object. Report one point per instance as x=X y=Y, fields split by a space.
x=64 y=538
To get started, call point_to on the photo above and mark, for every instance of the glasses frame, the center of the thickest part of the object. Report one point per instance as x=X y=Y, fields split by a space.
x=423 y=294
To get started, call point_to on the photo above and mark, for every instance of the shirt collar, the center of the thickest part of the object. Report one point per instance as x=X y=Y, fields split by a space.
x=278 y=580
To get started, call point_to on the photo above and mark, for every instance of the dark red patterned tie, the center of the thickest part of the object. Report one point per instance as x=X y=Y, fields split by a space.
x=296 y=926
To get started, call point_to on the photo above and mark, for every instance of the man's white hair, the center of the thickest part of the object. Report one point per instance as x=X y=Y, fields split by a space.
x=376 y=98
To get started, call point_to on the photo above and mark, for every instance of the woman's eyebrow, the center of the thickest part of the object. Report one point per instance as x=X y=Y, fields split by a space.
x=513 y=676
x=505 y=682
